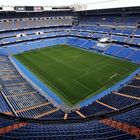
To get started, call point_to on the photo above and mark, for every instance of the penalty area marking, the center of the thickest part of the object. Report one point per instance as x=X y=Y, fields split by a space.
x=82 y=85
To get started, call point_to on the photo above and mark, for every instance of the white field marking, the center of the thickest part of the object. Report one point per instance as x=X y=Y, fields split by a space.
x=83 y=85
x=95 y=91
x=111 y=77
x=64 y=60
x=120 y=74
x=91 y=71
x=69 y=60
x=57 y=50
x=52 y=51
x=87 y=72
x=100 y=80
x=91 y=94
x=98 y=64
x=74 y=56
x=56 y=61
x=61 y=91
x=101 y=63
x=77 y=72
x=60 y=57
x=50 y=62
x=50 y=84
x=101 y=67
x=112 y=72
x=49 y=52
x=119 y=67
x=105 y=76
x=74 y=69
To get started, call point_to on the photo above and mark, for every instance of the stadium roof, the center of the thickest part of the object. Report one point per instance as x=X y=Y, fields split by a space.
x=43 y=2
x=67 y=2
x=79 y=5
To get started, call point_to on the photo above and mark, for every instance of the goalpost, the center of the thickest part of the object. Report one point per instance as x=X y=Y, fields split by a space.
x=113 y=76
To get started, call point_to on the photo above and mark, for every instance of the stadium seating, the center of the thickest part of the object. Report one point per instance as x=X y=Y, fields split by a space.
x=109 y=20
x=113 y=49
x=130 y=117
x=89 y=44
x=34 y=23
x=20 y=93
x=137 y=32
x=97 y=128
x=15 y=92
x=118 y=38
x=26 y=114
x=4 y=108
x=124 y=52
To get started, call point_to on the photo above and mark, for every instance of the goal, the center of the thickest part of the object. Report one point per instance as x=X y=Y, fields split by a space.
x=113 y=76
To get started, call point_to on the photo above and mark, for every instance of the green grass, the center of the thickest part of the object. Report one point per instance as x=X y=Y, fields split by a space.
x=75 y=74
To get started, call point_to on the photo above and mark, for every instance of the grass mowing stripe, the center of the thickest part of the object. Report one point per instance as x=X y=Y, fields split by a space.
x=82 y=85
x=44 y=79
x=75 y=74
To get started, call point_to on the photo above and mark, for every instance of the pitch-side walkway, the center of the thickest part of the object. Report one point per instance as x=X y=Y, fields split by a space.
x=65 y=116
x=137 y=77
x=125 y=95
x=80 y=114
x=107 y=105
x=21 y=94
x=46 y=113
x=133 y=86
x=33 y=107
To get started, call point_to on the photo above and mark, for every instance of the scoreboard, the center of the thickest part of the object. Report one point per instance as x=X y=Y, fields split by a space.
x=28 y=8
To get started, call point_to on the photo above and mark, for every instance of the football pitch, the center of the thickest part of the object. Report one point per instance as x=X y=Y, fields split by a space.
x=75 y=74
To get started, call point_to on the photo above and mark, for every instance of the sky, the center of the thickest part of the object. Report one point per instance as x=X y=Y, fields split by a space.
x=43 y=2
